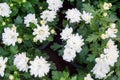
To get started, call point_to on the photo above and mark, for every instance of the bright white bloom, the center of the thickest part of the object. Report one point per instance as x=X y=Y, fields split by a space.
x=41 y=32
x=9 y=37
x=111 y=52
x=30 y=18
x=54 y=5
x=86 y=17
x=73 y=15
x=101 y=68
x=39 y=67
x=5 y=10
x=88 y=77
x=75 y=42
x=107 y=6
x=48 y=15
x=111 y=32
x=66 y=33
x=69 y=54
x=83 y=0
x=2 y=65
x=21 y=61
x=103 y=63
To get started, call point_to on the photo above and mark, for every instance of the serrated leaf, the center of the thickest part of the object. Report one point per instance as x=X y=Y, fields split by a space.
x=92 y=38
x=55 y=46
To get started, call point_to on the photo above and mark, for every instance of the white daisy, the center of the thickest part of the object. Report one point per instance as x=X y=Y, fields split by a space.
x=9 y=37
x=69 y=54
x=39 y=67
x=86 y=17
x=48 y=15
x=30 y=18
x=75 y=42
x=101 y=68
x=5 y=10
x=54 y=5
x=73 y=15
x=21 y=61
x=41 y=32
x=66 y=33
x=2 y=65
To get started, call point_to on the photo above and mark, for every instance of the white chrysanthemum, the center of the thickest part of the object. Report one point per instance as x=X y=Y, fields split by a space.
x=54 y=5
x=5 y=10
x=111 y=32
x=75 y=42
x=39 y=67
x=21 y=61
x=30 y=18
x=69 y=54
x=48 y=15
x=2 y=65
x=73 y=15
x=41 y=32
x=88 y=77
x=9 y=37
x=103 y=63
x=86 y=17
x=111 y=53
x=66 y=33
x=101 y=68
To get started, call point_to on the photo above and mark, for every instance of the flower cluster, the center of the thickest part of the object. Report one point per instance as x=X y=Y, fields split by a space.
x=111 y=32
x=39 y=67
x=74 y=15
x=109 y=58
x=74 y=43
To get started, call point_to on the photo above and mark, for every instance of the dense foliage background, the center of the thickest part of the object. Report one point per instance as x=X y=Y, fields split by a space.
x=52 y=49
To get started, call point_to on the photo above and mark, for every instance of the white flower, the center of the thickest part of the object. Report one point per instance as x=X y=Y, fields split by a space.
x=66 y=33
x=111 y=53
x=41 y=32
x=107 y=6
x=75 y=42
x=9 y=37
x=87 y=17
x=103 y=63
x=30 y=18
x=39 y=67
x=73 y=15
x=111 y=32
x=69 y=54
x=2 y=65
x=101 y=68
x=54 y=5
x=83 y=0
x=48 y=15
x=88 y=77
x=21 y=61
x=5 y=10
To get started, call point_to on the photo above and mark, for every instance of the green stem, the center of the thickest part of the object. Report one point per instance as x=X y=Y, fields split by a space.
x=108 y=75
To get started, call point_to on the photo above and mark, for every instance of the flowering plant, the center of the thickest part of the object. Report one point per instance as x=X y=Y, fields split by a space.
x=59 y=40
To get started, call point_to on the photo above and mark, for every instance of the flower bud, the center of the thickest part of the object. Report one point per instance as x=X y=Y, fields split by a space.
x=19 y=40
x=11 y=77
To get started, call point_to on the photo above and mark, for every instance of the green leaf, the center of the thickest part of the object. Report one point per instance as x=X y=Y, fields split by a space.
x=18 y=20
x=88 y=8
x=55 y=46
x=91 y=57
x=14 y=49
x=92 y=37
